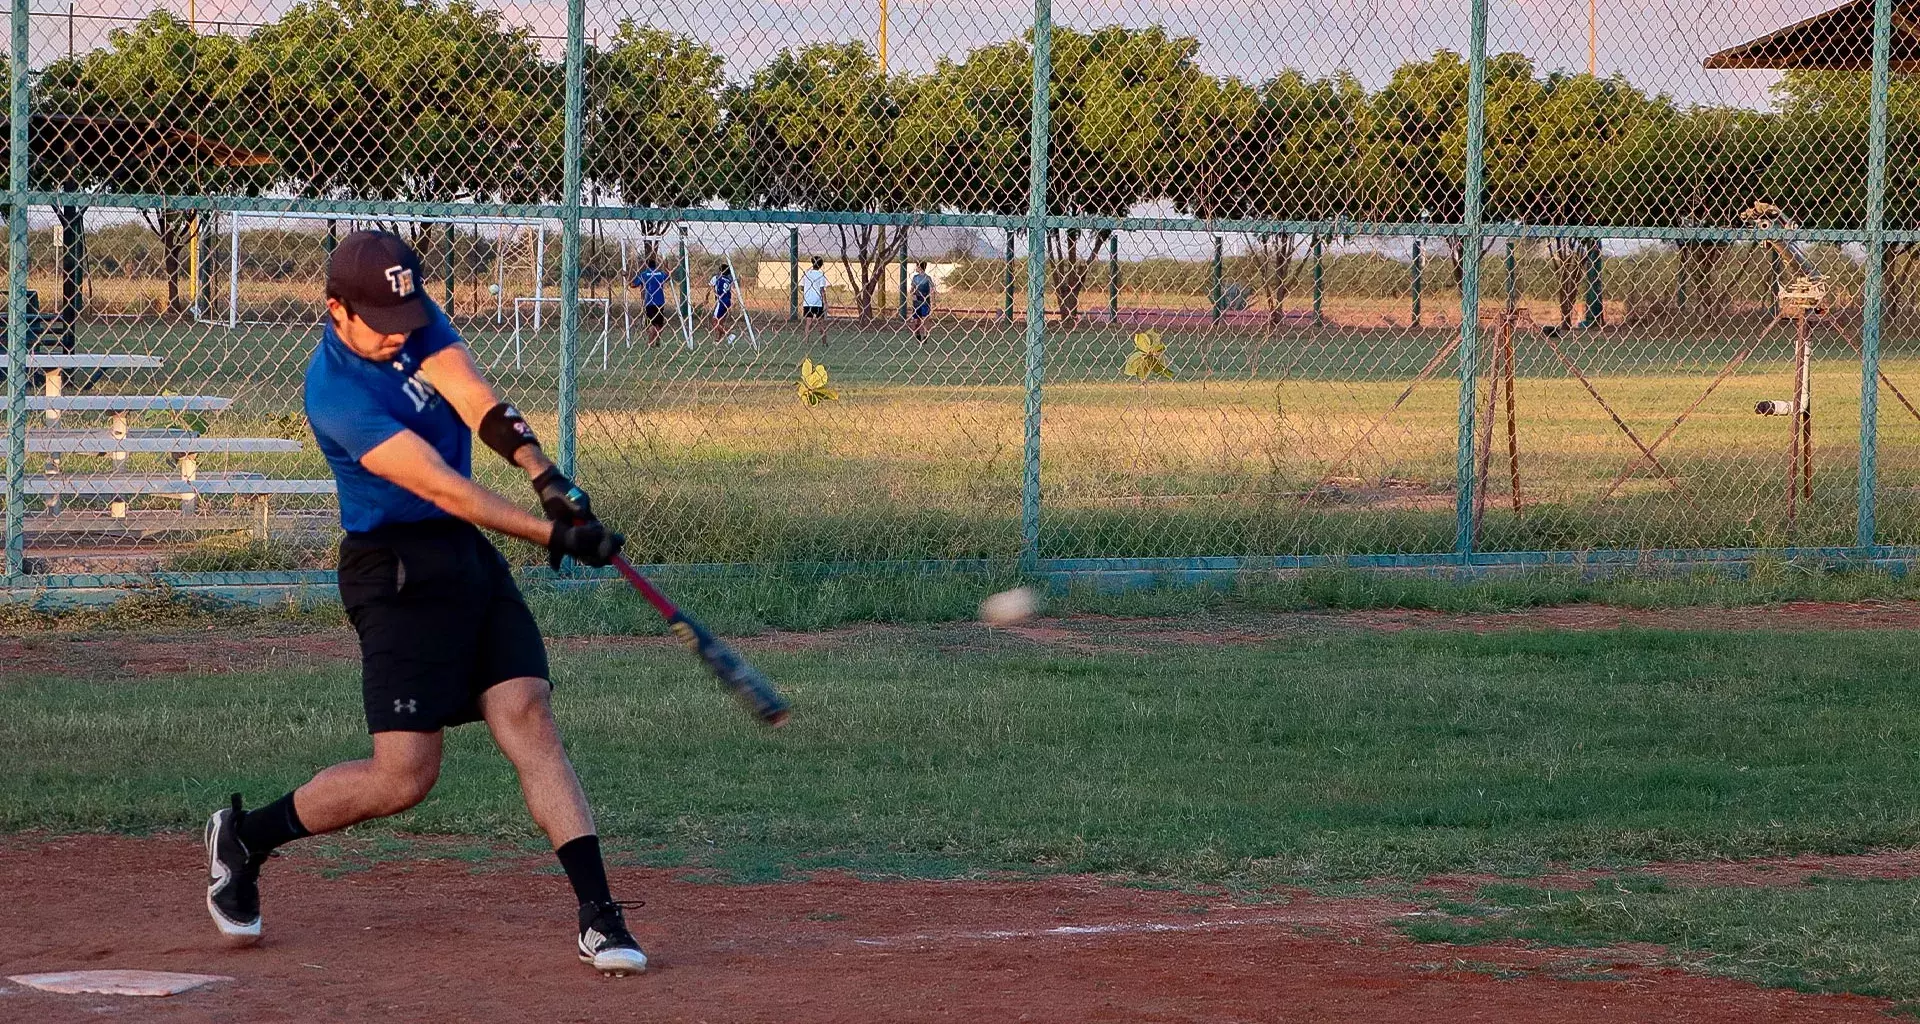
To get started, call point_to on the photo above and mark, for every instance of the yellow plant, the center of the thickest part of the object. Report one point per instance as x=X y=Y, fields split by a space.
x=1148 y=358
x=813 y=387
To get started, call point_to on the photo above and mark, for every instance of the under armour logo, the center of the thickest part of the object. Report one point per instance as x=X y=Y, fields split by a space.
x=405 y=706
x=400 y=279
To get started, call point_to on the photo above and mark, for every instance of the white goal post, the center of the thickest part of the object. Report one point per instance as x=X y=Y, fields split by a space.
x=521 y=303
x=508 y=235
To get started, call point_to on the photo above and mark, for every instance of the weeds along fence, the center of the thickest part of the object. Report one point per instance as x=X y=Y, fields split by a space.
x=1112 y=289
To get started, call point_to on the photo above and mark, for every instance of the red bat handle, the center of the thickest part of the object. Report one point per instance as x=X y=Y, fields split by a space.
x=654 y=597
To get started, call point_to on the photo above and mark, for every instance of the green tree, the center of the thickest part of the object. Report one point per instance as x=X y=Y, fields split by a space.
x=1293 y=149
x=654 y=133
x=404 y=100
x=1118 y=94
x=816 y=129
x=126 y=118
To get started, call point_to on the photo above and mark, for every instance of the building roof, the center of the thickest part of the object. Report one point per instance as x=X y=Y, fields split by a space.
x=1839 y=40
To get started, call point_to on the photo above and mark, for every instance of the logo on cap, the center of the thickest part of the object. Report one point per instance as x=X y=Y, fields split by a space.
x=400 y=279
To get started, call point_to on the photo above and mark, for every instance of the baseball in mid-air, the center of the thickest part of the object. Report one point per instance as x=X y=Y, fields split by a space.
x=1009 y=607
x=493 y=289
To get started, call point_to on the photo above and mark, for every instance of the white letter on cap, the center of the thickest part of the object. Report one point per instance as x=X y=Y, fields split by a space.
x=401 y=279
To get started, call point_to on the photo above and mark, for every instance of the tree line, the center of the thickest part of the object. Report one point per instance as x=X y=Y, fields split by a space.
x=421 y=100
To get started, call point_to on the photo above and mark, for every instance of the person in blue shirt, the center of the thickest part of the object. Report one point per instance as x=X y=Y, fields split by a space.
x=720 y=294
x=395 y=400
x=652 y=283
x=921 y=286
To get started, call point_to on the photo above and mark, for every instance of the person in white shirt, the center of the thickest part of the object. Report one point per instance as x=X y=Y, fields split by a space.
x=813 y=302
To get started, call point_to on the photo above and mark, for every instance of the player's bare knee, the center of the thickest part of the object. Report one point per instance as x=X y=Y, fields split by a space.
x=521 y=706
x=404 y=787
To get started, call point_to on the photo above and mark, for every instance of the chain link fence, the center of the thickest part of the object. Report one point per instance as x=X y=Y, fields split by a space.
x=806 y=283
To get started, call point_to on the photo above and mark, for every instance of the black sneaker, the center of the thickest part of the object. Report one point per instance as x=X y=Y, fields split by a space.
x=605 y=942
x=233 y=891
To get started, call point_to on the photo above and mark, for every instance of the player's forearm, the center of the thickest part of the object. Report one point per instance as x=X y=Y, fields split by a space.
x=458 y=496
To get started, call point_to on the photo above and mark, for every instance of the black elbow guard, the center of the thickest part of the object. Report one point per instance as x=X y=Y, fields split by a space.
x=504 y=430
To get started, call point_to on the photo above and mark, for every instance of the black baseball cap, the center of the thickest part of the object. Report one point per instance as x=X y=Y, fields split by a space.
x=377 y=274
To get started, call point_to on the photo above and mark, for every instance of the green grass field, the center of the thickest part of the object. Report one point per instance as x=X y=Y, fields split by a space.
x=1327 y=758
x=1265 y=443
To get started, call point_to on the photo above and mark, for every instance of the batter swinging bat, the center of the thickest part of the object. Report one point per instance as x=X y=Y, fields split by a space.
x=743 y=679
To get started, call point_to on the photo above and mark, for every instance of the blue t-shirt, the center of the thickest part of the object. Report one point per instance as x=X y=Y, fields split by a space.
x=722 y=291
x=355 y=404
x=654 y=280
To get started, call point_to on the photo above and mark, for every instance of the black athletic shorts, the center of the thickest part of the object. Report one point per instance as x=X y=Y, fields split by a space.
x=813 y=312
x=440 y=620
x=656 y=316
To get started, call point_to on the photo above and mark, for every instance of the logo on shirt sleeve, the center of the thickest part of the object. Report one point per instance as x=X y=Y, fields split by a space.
x=400 y=279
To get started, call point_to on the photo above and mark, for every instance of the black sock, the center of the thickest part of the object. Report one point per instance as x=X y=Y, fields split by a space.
x=585 y=870
x=264 y=829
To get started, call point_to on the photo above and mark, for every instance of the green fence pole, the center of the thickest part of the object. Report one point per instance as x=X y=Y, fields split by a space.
x=1513 y=279
x=1776 y=276
x=1215 y=292
x=1463 y=539
x=17 y=325
x=793 y=274
x=1039 y=145
x=1414 y=278
x=452 y=236
x=1006 y=305
x=1595 y=316
x=1113 y=278
x=1319 y=279
x=570 y=237
x=903 y=273
x=1872 y=291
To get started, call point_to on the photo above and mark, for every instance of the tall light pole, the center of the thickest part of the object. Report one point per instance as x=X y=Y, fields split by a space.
x=193 y=219
x=1593 y=38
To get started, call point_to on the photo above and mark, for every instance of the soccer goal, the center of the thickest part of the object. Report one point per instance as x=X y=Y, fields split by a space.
x=276 y=261
x=528 y=308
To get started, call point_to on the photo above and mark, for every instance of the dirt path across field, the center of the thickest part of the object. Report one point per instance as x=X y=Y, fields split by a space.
x=209 y=649
x=443 y=940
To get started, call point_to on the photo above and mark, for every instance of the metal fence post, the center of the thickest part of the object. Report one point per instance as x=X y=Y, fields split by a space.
x=1216 y=293
x=1319 y=279
x=1463 y=539
x=564 y=451
x=1872 y=292
x=1006 y=306
x=793 y=274
x=1414 y=280
x=1113 y=278
x=1038 y=146
x=17 y=325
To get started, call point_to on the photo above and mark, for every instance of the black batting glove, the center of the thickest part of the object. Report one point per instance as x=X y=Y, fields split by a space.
x=561 y=498
x=589 y=543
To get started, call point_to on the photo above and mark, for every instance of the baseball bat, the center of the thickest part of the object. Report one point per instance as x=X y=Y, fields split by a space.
x=746 y=682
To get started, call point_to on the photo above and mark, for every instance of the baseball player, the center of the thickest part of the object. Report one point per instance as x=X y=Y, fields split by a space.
x=445 y=639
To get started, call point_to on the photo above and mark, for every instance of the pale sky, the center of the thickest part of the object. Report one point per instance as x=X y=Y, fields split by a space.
x=1657 y=44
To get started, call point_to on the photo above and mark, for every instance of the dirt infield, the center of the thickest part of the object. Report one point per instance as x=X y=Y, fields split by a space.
x=442 y=940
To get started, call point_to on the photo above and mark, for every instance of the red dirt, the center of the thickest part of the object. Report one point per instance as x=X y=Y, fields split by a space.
x=439 y=940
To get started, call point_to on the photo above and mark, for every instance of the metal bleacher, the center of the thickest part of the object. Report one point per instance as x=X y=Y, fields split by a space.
x=117 y=440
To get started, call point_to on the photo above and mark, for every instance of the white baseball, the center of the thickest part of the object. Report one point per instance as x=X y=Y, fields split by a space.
x=493 y=289
x=1009 y=606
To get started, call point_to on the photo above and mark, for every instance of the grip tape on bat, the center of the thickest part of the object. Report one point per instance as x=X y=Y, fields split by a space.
x=745 y=681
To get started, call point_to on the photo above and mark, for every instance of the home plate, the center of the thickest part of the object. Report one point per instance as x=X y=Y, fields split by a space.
x=117 y=983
